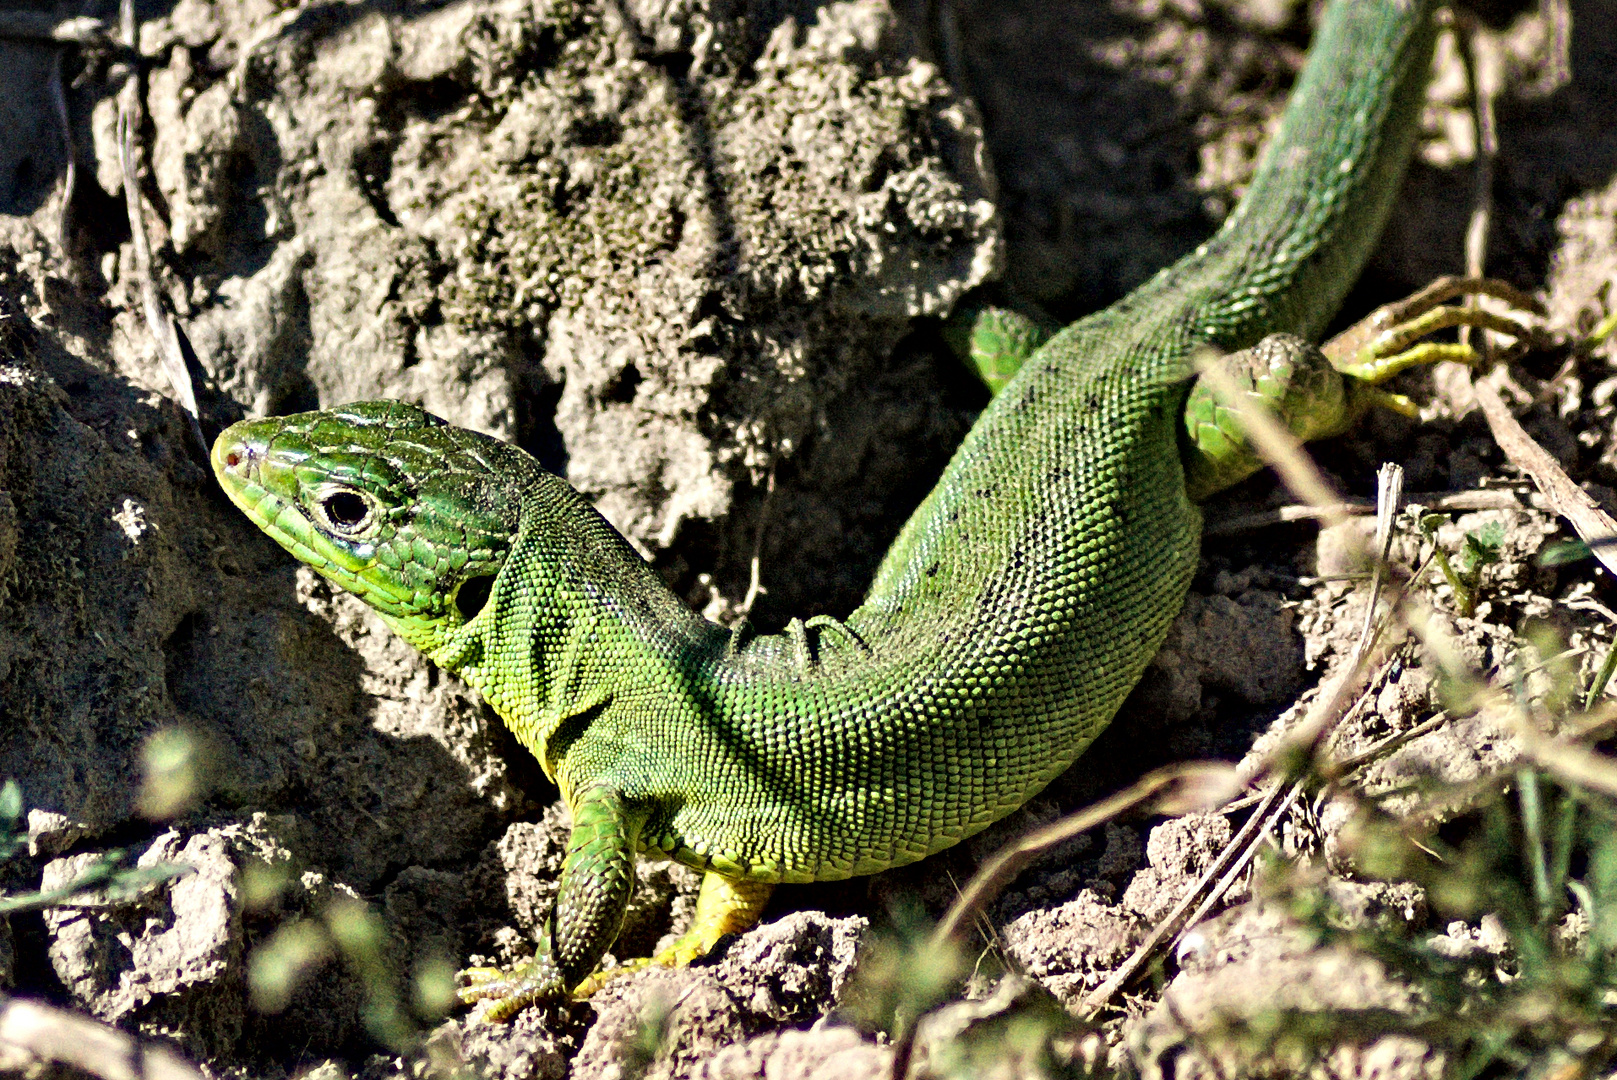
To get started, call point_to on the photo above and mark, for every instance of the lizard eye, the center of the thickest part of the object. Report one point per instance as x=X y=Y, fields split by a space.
x=344 y=511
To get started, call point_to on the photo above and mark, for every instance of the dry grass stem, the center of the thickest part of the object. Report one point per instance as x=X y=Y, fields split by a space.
x=1176 y=789
x=158 y=322
x=43 y=26
x=1100 y=997
x=58 y=1037
x=1592 y=524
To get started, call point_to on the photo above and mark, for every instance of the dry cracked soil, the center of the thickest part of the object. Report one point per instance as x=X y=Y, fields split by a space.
x=696 y=256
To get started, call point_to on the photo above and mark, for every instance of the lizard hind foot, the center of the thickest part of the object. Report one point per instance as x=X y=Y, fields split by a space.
x=806 y=653
x=1388 y=341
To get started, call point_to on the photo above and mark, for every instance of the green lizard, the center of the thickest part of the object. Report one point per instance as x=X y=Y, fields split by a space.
x=1006 y=625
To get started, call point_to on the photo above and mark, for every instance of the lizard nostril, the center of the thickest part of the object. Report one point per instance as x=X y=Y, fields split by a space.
x=240 y=456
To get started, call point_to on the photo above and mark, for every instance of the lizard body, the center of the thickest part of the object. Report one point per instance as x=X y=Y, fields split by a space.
x=1005 y=626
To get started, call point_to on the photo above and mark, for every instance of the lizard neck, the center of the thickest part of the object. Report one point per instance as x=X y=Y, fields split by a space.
x=574 y=620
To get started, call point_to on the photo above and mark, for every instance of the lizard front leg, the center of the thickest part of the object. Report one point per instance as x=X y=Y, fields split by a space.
x=725 y=905
x=597 y=878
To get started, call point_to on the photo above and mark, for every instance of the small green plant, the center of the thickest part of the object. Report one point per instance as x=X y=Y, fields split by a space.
x=1539 y=861
x=907 y=975
x=348 y=928
x=1464 y=572
x=903 y=973
x=109 y=874
x=651 y=1039
x=13 y=829
x=1515 y=971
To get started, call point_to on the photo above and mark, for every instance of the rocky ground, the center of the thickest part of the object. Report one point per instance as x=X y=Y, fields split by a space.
x=695 y=256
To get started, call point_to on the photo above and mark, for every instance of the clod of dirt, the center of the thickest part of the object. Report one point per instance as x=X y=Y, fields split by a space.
x=1248 y=964
x=1071 y=947
x=789 y=972
x=819 y=1053
x=1245 y=646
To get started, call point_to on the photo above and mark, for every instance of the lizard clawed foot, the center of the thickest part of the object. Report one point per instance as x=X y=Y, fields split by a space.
x=514 y=990
x=681 y=952
x=594 y=982
x=724 y=906
x=509 y=992
x=1388 y=340
x=693 y=946
x=1320 y=392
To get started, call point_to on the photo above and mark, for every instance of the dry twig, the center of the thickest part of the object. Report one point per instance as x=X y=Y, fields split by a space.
x=42 y=26
x=59 y=1037
x=162 y=327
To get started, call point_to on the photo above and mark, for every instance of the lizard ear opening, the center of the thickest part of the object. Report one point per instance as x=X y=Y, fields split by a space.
x=472 y=595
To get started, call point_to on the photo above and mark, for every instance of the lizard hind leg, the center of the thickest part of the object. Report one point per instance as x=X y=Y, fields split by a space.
x=995 y=341
x=1317 y=393
x=1283 y=374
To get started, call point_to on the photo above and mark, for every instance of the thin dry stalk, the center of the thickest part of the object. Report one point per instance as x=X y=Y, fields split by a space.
x=1100 y=997
x=47 y=28
x=158 y=322
x=59 y=1037
x=1444 y=502
x=1592 y=524
x=1177 y=789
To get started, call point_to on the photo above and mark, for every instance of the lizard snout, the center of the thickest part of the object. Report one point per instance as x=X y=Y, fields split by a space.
x=238 y=456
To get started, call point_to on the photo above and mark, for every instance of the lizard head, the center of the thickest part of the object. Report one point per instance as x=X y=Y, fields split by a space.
x=385 y=500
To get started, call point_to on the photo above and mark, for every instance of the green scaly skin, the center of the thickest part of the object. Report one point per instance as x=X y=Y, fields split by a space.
x=994 y=342
x=1006 y=625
